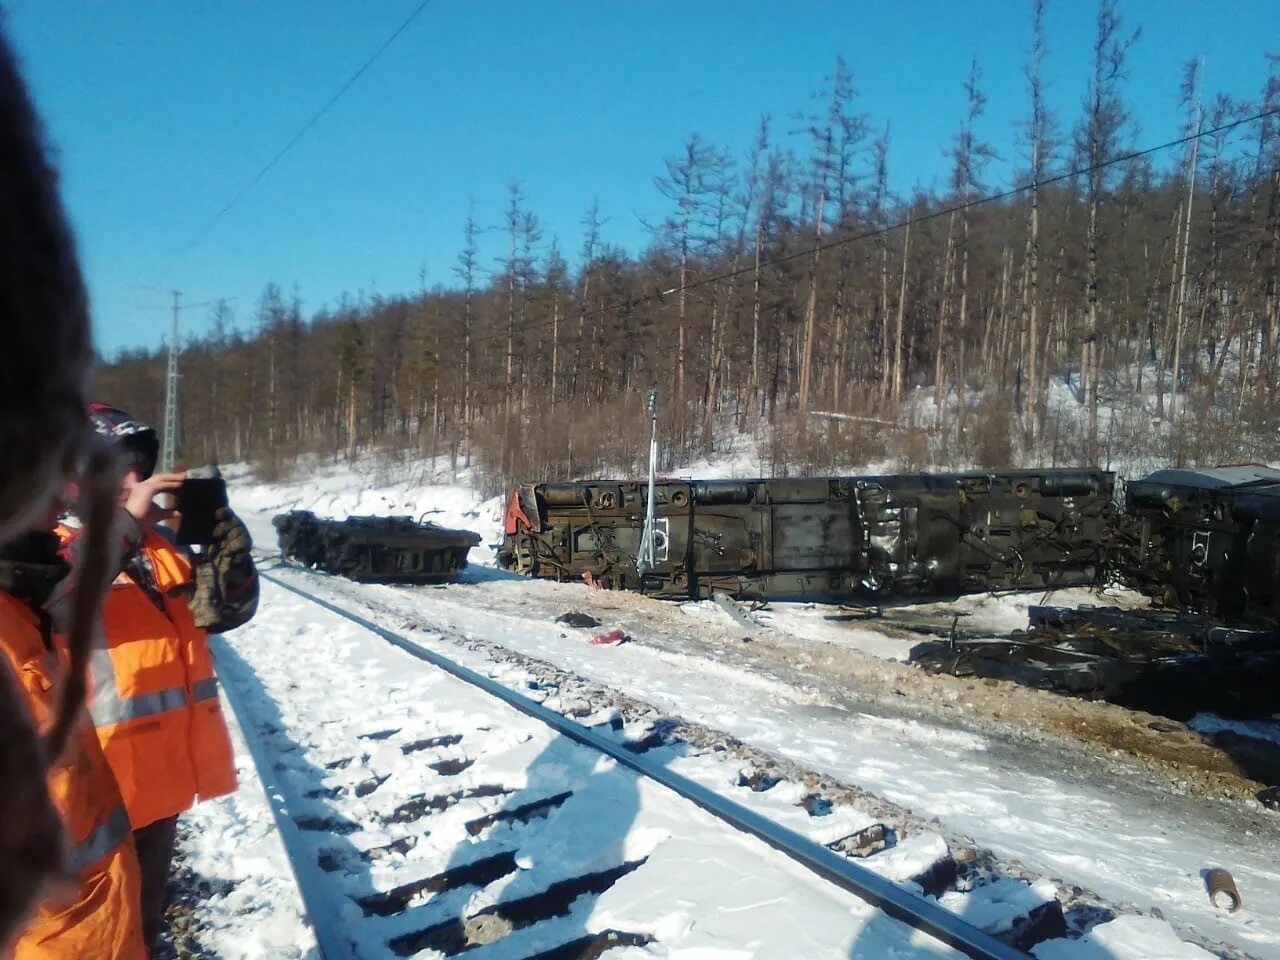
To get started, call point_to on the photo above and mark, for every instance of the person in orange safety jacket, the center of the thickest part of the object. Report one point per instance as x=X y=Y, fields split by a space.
x=96 y=912
x=154 y=693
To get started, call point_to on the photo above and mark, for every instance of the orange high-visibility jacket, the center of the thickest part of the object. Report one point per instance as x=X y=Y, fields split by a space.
x=154 y=695
x=99 y=915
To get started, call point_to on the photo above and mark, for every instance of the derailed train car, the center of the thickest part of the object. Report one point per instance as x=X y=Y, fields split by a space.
x=375 y=549
x=867 y=539
x=1205 y=542
x=1204 y=546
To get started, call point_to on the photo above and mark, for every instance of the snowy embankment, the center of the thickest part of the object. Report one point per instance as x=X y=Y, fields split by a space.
x=1091 y=825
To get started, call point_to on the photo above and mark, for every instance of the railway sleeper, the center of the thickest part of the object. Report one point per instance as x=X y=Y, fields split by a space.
x=366 y=787
x=333 y=860
x=422 y=805
x=362 y=789
x=658 y=734
x=867 y=842
x=344 y=762
x=1071 y=914
x=1045 y=922
x=451 y=766
x=325 y=793
x=339 y=825
x=501 y=919
x=477 y=873
x=816 y=805
x=431 y=743
x=536 y=810
x=591 y=947
x=757 y=780
x=938 y=877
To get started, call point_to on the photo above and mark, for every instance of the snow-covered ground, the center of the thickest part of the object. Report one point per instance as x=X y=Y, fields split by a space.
x=344 y=731
x=1091 y=824
x=340 y=739
x=232 y=845
x=1122 y=838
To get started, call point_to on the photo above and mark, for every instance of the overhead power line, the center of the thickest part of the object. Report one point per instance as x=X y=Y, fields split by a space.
x=809 y=251
x=293 y=141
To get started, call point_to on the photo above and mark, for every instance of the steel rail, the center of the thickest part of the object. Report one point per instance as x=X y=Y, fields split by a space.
x=902 y=905
x=331 y=944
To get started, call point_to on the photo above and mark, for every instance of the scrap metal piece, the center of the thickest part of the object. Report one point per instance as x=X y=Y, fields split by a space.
x=1222 y=890
x=1190 y=630
x=739 y=616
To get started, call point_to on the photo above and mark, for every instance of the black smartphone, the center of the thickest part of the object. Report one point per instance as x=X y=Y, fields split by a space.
x=197 y=500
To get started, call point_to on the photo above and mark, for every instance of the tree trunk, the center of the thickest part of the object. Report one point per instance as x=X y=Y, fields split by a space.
x=1182 y=276
x=755 y=316
x=811 y=311
x=555 y=345
x=939 y=360
x=902 y=306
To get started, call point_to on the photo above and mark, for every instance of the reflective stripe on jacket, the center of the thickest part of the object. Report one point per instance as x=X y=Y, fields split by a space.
x=154 y=696
x=98 y=916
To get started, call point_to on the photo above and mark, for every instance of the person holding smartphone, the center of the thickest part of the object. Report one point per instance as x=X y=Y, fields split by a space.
x=153 y=691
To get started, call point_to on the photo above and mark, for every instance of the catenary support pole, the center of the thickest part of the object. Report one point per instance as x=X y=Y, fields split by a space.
x=169 y=449
x=648 y=558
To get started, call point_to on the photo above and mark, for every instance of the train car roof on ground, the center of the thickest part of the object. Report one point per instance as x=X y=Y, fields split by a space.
x=1216 y=477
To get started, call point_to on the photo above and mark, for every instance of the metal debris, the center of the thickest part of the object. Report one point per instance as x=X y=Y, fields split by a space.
x=1222 y=890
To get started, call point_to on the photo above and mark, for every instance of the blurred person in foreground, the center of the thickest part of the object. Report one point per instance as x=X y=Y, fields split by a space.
x=69 y=883
x=154 y=693
x=95 y=909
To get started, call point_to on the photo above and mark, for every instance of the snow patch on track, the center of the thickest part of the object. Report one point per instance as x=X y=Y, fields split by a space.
x=232 y=844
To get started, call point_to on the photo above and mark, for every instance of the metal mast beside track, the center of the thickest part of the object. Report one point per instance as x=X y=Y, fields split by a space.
x=647 y=558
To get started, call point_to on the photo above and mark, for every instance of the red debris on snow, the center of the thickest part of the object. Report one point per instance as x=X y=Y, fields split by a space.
x=613 y=636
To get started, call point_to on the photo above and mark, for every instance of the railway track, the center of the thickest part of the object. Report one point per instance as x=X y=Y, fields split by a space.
x=419 y=824
x=420 y=828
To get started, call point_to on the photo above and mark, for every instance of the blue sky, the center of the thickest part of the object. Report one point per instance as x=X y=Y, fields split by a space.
x=161 y=111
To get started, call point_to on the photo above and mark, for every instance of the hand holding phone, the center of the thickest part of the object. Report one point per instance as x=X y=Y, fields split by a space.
x=140 y=500
x=197 y=501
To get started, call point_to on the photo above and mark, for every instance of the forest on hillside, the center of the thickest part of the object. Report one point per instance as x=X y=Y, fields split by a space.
x=788 y=291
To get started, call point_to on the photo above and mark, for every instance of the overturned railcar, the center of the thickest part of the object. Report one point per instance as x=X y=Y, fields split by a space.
x=872 y=539
x=1204 y=545
x=375 y=549
x=1205 y=541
